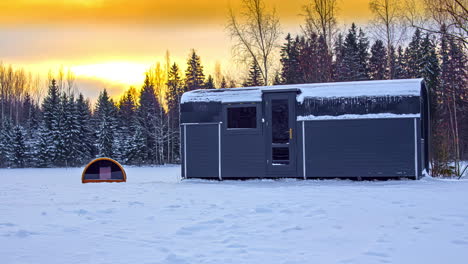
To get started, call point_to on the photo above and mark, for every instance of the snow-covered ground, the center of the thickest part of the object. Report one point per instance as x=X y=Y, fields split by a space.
x=48 y=216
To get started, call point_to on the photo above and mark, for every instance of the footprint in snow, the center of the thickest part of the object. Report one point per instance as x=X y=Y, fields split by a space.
x=6 y=224
x=376 y=254
x=296 y=228
x=135 y=203
x=20 y=234
x=80 y=212
x=173 y=259
x=188 y=230
x=459 y=242
x=261 y=210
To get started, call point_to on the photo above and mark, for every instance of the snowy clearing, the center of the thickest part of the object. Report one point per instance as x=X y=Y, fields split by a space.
x=48 y=216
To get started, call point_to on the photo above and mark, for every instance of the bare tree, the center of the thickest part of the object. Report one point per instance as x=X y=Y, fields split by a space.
x=389 y=25
x=430 y=15
x=320 y=18
x=255 y=33
x=218 y=76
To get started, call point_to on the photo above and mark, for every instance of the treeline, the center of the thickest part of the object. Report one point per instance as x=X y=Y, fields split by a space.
x=141 y=128
x=439 y=59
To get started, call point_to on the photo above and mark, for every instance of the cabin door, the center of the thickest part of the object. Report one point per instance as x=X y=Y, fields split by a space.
x=280 y=113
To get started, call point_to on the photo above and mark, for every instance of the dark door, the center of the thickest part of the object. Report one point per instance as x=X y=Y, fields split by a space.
x=280 y=134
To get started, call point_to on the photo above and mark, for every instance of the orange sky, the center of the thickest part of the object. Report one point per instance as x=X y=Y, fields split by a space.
x=109 y=43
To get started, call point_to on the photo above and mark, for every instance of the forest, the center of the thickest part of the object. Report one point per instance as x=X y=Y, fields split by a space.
x=59 y=127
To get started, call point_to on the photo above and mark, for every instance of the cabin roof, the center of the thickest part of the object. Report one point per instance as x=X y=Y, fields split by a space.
x=403 y=87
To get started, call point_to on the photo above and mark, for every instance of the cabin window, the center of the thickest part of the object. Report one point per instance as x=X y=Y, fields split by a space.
x=242 y=117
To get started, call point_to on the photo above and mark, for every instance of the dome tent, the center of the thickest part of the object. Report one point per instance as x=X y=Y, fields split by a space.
x=103 y=170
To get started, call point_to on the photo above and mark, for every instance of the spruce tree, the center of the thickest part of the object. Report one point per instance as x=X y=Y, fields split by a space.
x=149 y=119
x=136 y=152
x=377 y=61
x=174 y=93
x=351 y=56
x=194 y=77
x=209 y=84
x=106 y=125
x=290 y=72
x=85 y=130
x=400 y=65
x=390 y=71
x=50 y=131
x=18 y=150
x=126 y=119
x=414 y=56
x=339 y=69
x=224 y=83
x=363 y=51
x=6 y=139
x=429 y=64
x=255 y=77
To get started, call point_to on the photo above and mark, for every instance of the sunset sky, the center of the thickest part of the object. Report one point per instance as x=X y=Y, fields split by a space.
x=110 y=43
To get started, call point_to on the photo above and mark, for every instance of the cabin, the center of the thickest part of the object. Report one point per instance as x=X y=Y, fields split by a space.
x=361 y=130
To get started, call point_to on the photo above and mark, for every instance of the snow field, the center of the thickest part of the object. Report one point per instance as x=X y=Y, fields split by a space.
x=48 y=216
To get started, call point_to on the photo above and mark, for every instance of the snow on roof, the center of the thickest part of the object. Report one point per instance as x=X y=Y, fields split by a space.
x=404 y=87
x=353 y=116
x=228 y=95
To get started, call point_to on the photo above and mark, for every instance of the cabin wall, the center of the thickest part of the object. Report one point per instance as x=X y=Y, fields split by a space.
x=200 y=147
x=360 y=148
x=243 y=150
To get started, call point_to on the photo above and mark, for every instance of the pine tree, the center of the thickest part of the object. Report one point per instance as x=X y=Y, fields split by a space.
x=50 y=105
x=106 y=125
x=400 y=71
x=44 y=149
x=85 y=130
x=6 y=138
x=149 y=119
x=126 y=119
x=429 y=64
x=50 y=131
x=414 y=56
x=290 y=72
x=309 y=59
x=174 y=93
x=339 y=69
x=59 y=132
x=136 y=152
x=18 y=150
x=224 y=83
x=377 y=61
x=351 y=56
x=390 y=71
x=255 y=77
x=363 y=51
x=194 y=77
x=209 y=84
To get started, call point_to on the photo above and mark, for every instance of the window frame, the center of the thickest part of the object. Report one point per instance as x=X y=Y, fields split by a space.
x=258 y=120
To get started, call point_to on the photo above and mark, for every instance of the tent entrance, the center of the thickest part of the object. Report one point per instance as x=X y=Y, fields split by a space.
x=280 y=133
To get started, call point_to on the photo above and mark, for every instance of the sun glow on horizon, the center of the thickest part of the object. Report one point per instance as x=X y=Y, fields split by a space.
x=121 y=72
